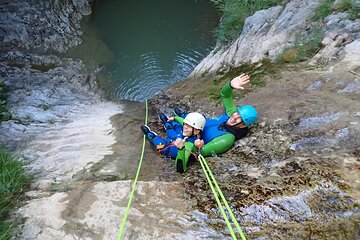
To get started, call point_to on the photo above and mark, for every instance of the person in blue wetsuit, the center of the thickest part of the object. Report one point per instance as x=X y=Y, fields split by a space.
x=219 y=134
x=181 y=133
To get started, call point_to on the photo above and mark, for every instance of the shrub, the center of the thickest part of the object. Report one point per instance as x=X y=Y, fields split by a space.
x=13 y=182
x=4 y=112
x=303 y=48
x=353 y=6
x=323 y=10
x=234 y=14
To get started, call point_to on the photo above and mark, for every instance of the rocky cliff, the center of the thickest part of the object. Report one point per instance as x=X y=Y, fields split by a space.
x=267 y=33
x=296 y=176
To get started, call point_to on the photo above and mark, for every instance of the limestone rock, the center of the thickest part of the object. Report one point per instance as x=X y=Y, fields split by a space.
x=265 y=34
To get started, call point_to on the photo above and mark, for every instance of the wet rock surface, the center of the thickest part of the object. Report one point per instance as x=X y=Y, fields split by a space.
x=44 y=87
x=298 y=170
x=43 y=25
x=95 y=211
x=296 y=176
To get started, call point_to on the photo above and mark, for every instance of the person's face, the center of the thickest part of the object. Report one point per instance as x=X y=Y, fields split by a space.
x=188 y=130
x=235 y=119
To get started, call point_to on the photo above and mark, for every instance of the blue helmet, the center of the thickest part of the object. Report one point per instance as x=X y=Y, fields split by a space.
x=248 y=114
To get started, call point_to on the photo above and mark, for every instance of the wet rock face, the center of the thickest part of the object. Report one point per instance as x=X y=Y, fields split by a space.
x=95 y=211
x=298 y=168
x=268 y=184
x=295 y=176
x=43 y=90
x=42 y=87
x=45 y=25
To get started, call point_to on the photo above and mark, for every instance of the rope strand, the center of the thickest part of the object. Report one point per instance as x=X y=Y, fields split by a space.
x=218 y=201
x=135 y=180
x=202 y=159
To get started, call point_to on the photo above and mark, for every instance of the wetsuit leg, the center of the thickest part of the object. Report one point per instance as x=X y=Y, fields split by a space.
x=183 y=115
x=178 y=127
x=156 y=141
x=173 y=151
x=174 y=132
x=163 y=146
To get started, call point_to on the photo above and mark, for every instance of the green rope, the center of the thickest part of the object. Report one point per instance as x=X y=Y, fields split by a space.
x=203 y=162
x=136 y=177
x=217 y=200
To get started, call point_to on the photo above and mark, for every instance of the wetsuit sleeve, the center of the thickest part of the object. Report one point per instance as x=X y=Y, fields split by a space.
x=227 y=99
x=179 y=120
x=218 y=145
x=183 y=155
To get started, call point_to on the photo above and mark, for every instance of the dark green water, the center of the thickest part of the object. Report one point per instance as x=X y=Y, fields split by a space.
x=142 y=47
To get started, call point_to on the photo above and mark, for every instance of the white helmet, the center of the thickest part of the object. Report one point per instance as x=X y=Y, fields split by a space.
x=195 y=120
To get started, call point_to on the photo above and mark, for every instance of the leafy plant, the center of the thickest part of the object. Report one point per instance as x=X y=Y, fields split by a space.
x=4 y=111
x=234 y=14
x=303 y=48
x=323 y=10
x=44 y=106
x=13 y=182
x=352 y=6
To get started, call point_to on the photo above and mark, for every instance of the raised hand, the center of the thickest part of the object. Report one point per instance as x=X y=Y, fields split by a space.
x=179 y=143
x=239 y=81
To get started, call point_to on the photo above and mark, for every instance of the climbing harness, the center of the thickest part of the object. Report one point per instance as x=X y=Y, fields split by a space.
x=135 y=180
x=160 y=147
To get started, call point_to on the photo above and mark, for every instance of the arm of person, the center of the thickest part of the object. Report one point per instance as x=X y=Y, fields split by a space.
x=218 y=145
x=227 y=99
x=179 y=120
x=226 y=92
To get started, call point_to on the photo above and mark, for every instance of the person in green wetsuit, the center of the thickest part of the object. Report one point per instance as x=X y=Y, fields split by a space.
x=219 y=134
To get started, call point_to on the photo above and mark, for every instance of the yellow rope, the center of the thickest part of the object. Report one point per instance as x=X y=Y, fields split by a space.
x=135 y=180
x=217 y=200
x=208 y=172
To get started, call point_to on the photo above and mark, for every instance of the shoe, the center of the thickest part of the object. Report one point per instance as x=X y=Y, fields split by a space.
x=179 y=112
x=163 y=118
x=179 y=165
x=148 y=133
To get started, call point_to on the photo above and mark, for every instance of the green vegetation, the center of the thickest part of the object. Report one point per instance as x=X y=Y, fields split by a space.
x=306 y=46
x=59 y=187
x=323 y=10
x=44 y=106
x=13 y=182
x=234 y=13
x=256 y=71
x=346 y=5
x=4 y=112
x=326 y=8
x=303 y=48
x=351 y=6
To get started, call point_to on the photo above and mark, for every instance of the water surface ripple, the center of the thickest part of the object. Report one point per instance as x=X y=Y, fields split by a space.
x=152 y=44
